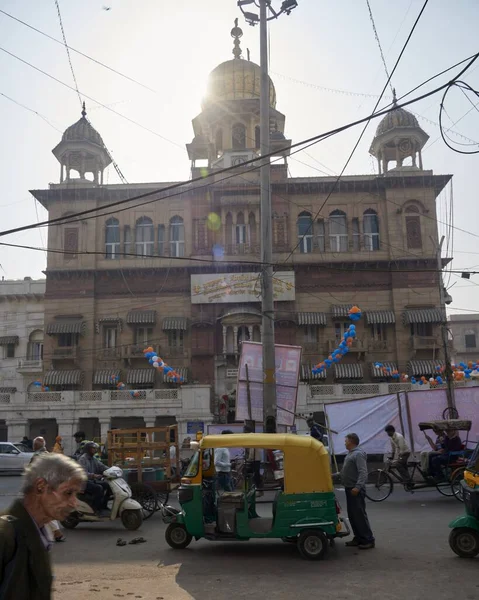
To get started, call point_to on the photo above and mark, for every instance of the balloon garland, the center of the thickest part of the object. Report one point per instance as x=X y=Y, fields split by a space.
x=344 y=346
x=43 y=388
x=159 y=364
x=459 y=373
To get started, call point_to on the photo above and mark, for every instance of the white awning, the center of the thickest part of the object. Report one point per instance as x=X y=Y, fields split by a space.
x=418 y=368
x=312 y=318
x=378 y=373
x=348 y=371
x=308 y=375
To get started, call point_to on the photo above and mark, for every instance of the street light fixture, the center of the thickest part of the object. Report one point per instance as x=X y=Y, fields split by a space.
x=266 y=13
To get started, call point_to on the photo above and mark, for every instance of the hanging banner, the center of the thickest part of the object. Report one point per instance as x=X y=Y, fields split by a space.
x=288 y=361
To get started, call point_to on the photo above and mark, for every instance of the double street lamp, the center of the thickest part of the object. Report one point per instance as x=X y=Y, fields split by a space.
x=266 y=13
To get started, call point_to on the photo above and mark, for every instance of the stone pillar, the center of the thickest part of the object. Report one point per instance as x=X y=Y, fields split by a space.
x=420 y=159
x=235 y=340
x=61 y=172
x=250 y=332
x=224 y=340
x=105 y=426
x=17 y=429
x=66 y=429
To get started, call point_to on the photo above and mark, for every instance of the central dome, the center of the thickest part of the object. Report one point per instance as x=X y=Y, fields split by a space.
x=236 y=79
x=82 y=131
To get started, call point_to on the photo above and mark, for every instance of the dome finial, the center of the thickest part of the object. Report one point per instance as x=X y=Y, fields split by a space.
x=83 y=112
x=395 y=100
x=237 y=33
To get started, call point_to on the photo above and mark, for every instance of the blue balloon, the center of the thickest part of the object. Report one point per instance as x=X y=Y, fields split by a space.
x=421 y=382
x=413 y=380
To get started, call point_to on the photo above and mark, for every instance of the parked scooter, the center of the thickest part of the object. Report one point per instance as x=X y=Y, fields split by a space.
x=121 y=504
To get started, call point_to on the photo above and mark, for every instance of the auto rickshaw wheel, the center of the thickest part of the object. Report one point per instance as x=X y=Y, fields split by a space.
x=71 y=521
x=312 y=544
x=177 y=537
x=464 y=542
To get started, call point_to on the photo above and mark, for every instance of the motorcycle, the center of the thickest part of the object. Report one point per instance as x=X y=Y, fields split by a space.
x=120 y=504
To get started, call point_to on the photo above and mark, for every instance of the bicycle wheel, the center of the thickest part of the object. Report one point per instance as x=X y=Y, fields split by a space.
x=457 y=477
x=445 y=487
x=379 y=485
x=146 y=497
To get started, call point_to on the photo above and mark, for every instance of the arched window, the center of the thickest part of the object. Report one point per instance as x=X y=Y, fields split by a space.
x=338 y=231
x=219 y=140
x=35 y=346
x=144 y=236
x=305 y=232
x=371 y=230
x=177 y=237
x=239 y=136
x=252 y=229
x=240 y=230
x=470 y=339
x=413 y=227
x=112 y=238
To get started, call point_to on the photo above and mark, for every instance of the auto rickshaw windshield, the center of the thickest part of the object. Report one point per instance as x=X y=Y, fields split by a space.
x=192 y=470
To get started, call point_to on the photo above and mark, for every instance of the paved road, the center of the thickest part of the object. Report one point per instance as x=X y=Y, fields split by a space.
x=412 y=561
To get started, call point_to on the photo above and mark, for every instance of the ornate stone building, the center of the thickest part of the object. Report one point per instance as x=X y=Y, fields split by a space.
x=179 y=269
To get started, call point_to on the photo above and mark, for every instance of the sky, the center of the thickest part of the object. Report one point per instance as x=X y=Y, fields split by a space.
x=325 y=64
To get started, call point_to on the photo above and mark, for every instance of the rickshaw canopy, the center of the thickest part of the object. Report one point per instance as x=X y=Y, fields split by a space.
x=306 y=461
x=456 y=424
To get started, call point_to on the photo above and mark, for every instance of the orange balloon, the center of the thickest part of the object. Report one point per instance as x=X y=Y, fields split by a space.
x=354 y=309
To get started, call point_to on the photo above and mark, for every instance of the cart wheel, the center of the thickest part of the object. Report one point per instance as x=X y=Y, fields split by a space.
x=464 y=542
x=177 y=537
x=162 y=499
x=379 y=485
x=445 y=488
x=71 y=521
x=312 y=544
x=146 y=497
x=456 y=485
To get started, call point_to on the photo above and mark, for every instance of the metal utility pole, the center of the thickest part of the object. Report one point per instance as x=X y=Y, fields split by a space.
x=451 y=403
x=266 y=13
x=267 y=302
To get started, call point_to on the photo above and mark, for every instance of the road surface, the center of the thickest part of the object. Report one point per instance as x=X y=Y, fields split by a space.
x=411 y=561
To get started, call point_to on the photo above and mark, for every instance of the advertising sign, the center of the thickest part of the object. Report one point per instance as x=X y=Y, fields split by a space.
x=239 y=287
x=288 y=361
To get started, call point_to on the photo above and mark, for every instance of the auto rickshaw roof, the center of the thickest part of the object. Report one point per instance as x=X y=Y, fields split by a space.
x=271 y=441
x=306 y=461
x=457 y=424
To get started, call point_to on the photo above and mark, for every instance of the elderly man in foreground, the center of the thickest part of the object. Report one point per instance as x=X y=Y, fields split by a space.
x=50 y=488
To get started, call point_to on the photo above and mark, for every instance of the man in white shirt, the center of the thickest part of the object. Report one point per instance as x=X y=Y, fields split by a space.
x=400 y=452
x=223 y=467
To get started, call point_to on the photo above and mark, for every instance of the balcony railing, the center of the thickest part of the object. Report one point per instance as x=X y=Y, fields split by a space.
x=136 y=350
x=109 y=354
x=175 y=352
x=241 y=249
x=356 y=346
x=375 y=346
x=312 y=348
x=30 y=365
x=67 y=352
x=420 y=342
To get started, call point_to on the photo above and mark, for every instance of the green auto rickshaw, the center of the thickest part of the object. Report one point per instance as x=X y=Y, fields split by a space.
x=464 y=537
x=304 y=510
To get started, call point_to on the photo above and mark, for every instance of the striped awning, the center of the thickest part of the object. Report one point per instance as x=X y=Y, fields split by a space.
x=308 y=375
x=141 y=317
x=66 y=326
x=113 y=321
x=8 y=390
x=417 y=368
x=423 y=315
x=106 y=377
x=312 y=318
x=380 y=317
x=8 y=339
x=340 y=311
x=348 y=371
x=182 y=372
x=178 y=323
x=378 y=373
x=74 y=377
x=140 y=376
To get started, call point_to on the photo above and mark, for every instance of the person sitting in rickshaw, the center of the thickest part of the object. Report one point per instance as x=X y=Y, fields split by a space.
x=451 y=443
x=436 y=447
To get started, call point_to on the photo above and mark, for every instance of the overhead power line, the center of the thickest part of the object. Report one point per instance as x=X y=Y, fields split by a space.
x=57 y=4
x=376 y=35
x=78 y=52
x=308 y=142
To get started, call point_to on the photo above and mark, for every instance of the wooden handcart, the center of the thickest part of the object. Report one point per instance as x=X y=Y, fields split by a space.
x=149 y=456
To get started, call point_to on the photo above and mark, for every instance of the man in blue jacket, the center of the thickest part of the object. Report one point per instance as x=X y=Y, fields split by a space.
x=354 y=475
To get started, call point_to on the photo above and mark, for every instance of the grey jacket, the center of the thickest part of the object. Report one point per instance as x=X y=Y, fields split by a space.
x=354 y=473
